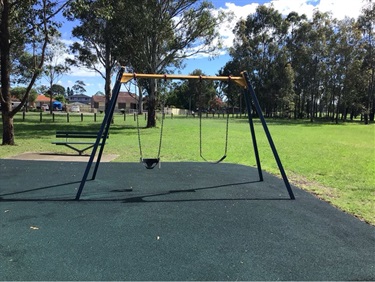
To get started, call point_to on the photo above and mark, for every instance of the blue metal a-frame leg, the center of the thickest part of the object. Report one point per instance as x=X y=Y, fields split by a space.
x=103 y=133
x=251 y=96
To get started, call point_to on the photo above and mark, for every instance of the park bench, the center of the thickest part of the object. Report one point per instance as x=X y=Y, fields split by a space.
x=71 y=138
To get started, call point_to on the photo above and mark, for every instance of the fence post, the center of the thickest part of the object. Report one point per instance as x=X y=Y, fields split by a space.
x=94 y=117
x=81 y=116
x=53 y=117
x=67 y=117
x=41 y=116
x=23 y=115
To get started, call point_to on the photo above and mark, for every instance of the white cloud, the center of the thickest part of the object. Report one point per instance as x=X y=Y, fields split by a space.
x=241 y=11
x=78 y=71
x=82 y=71
x=339 y=9
x=300 y=6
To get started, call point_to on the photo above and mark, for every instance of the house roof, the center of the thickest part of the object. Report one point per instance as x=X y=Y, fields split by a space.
x=42 y=98
x=123 y=97
x=79 y=96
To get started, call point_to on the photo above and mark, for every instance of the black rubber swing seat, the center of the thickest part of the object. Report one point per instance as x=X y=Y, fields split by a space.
x=150 y=163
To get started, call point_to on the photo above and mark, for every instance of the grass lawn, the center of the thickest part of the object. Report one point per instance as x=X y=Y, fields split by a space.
x=335 y=162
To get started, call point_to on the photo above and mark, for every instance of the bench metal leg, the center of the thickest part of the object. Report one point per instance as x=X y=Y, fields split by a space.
x=79 y=151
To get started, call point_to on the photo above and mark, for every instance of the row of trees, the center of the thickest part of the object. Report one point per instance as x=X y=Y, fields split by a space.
x=54 y=91
x=147 y=36
x=308 y=68
x=299 y=66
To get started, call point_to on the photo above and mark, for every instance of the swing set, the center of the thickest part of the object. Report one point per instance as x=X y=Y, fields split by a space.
x=250 y=99
x=150 y=163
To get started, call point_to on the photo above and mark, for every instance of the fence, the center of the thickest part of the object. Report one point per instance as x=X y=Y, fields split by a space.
x=98 y=117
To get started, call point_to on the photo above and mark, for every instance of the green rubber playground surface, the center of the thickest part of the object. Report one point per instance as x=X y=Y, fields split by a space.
x=184 y=221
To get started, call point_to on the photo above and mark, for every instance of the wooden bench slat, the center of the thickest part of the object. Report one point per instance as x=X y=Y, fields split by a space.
x=76 y=132
x=76 y=136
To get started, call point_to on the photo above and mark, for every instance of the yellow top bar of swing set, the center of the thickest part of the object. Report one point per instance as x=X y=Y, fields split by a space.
x=129 y=76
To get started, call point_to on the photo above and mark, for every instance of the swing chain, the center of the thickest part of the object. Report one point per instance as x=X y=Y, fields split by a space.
x=138 y=128
x=150 y=163
x=200 y=125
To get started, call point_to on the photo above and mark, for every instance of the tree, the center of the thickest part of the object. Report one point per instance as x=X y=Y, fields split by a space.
x=233 y=93
x=58 y=89
x=148 y=36
x=69 y=92
x=161 y=34
x=367 y=25
x=23 y=24
x=79 y=87
x=54 y=67
x=346 y=46
x=193 y=94
x=257 y=45
x=99 y=32
x=19 y=93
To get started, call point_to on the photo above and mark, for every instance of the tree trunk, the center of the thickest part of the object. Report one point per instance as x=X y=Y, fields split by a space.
x=345 y=116
x=108 y=75
x=337 y=108
x=107 y=89
x=151 y=117
x=371 y=109
x=333 y=103
x=312 y=108
x=50 y=101
x=8 y=129
x=6 y=106
x=140 y=100
x=366 y=118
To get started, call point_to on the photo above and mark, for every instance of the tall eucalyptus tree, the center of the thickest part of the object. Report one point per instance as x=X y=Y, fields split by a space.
x=23 y=24
x=99 y=36
x=54 y=66
x=367 y=24
x=164 y=33
x=257 y=45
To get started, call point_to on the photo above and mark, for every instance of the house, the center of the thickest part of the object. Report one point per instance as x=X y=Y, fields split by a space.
x=79 y=98
x=42 y=100
x=125 y=101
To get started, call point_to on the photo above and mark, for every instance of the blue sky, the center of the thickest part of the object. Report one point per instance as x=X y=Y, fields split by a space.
x=240 y=8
